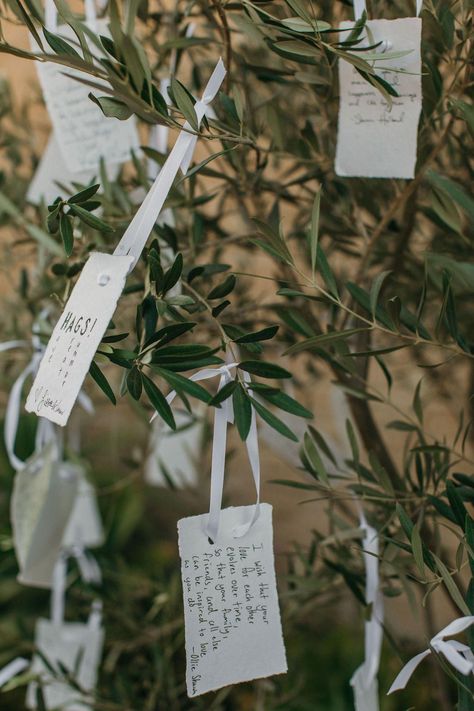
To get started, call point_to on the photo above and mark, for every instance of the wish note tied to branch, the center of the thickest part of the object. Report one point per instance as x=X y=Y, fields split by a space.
x=76 y=336
x=376 y=140
x=231 y=612
x=83 y=133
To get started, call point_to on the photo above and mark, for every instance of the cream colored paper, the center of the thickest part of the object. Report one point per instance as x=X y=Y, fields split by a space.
x=43 y=497
x=76 y=336
x=231 y=611
x=78 y=647
x=373 y=140
x=83 y=133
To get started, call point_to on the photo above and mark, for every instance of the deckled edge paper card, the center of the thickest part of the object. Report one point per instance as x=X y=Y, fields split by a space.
x=84 y=134
x=79 y=648
x=231 y=611
x=373 y=140
x=76 y=336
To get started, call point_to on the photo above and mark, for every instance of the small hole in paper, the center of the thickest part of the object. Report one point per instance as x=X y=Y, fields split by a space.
x=103 y=279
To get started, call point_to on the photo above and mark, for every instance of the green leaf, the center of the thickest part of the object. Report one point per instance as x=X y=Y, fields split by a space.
x=84 y=195
x=451 y=586
x=273 y=421
x=65 y=229
x=314 y=458
x=417 y=548
x=264 y=370
x=375 y=290
x=242 y=411
x=323 y=339
x=283 y=401
x=223 y=393
x=314 y=235
x=184 y=103
x=173 y=274
x=223 y=289
x=60 y=46
x=326 y=272
x=180 y=383
x=90 y=219
x=264 y=335
x=134 y=383
x=158 y=401
x=456 y=503
x=417 y=404
x=111 y=107
x=102 y=381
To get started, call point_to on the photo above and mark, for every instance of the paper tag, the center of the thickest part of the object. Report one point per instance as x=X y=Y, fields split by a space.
x=175 y=453
x=374 y=141
x=231 y=611
x=43 y=496
x=84 y=134
x=79 y=648
x=76 y=336
x=52 y=172
x=84 y=528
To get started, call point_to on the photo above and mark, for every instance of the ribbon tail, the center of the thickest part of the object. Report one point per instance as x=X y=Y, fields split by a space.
x=366 y=694
x=455 y=658
x=404 y=676
x=12 y=669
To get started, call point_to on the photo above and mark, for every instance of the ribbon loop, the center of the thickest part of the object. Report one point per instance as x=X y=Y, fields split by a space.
x=458 y=655
x=222 y=416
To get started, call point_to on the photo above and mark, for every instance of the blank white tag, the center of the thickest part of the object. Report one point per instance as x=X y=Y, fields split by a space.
x=76 y=336
x=84 y=528
x=43 y=496
x=52 y=170
x=374 y=141
x=84 y=134
x=79 y=648
x=176 y=452
x=231 y=612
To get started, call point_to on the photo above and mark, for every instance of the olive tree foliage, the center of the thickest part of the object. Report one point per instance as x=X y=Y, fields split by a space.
x=354 y=271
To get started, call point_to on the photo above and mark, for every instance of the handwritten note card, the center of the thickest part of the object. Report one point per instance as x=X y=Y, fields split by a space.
x=374 y=140
x=84 y=134
x=76 y=337
x=231 y=612
x=79 y=648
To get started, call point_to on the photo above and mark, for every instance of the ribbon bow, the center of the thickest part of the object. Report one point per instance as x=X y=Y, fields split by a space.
x=222 y=416
x=364 y=679
x=458 y=655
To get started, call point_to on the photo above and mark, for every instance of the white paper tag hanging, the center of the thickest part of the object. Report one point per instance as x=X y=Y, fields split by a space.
x=175 y=454
x=52 y=172
x=43 y=496
x=79 y=648
x=373 y=140
x=76 y=336
x=231 y=611
x=84 y=528
x=83 y=133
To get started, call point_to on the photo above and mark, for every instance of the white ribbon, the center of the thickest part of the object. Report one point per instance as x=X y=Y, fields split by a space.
x=138 y=231
x=90 y=573
x=51 y=15
x=364 y=680
x=45 y=431
x=12 y=669
x=458 y=655
x=360 y=7
x=222 y=417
